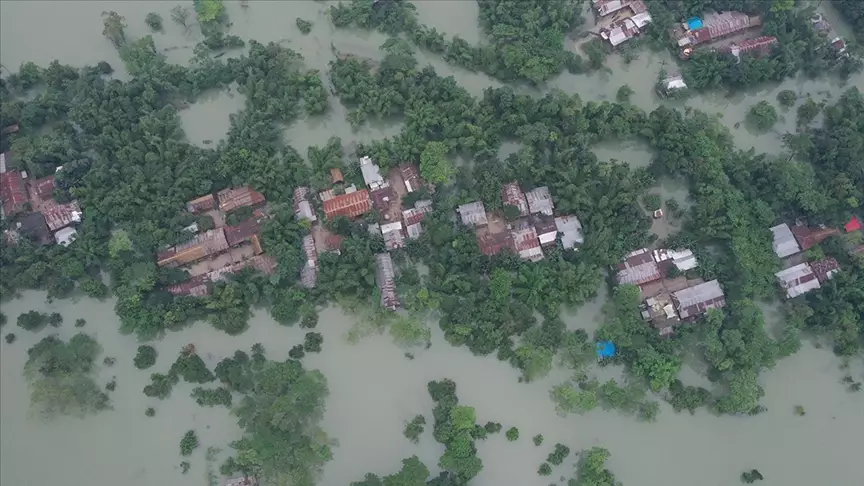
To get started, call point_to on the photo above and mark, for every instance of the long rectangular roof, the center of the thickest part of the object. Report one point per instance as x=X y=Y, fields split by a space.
x=201 y=204
x=13 y=192
x=797 y=280
x=231 y=199
x=61 y=215
x=540 y=201
x=784 y=241
x=349 y=205
x=386 y=277
x=201 y=246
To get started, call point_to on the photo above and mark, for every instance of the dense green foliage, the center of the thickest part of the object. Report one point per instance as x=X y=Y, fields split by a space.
x=592 y=469
x=61 y=376
x=304 y=25
x=188 y=443
x=145 y=357
x=33 y=321
x=762 y=116
x=154 y=21
x=414 y=428
x=557 y=456
x=212 y=396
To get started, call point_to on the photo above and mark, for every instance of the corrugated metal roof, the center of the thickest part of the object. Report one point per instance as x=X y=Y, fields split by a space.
x=241 y=232
x=201 y=204
x=411 y=176
x=698 y=299
x=348 y=205
x=196 y=286
x=231 y=199
x=336 y=176
x=571 y=231
x=473 y=214
x=526 y=243
x=13 y=192
x=493 y=243
x=512 y=195
x=809 y=237
x=784 y=241
x=203 y=245
x=382 y=198
x=371 y=173
x=797 y=280
x=540 y=201
x=43 y=189
x=65 y=236
x=61 y=215
x=547 y=230
x=386 y=277
x=638 y=268
x=825 y=268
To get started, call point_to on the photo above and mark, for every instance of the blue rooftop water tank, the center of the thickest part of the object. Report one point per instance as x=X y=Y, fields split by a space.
x=605 y=349
x=694 y=23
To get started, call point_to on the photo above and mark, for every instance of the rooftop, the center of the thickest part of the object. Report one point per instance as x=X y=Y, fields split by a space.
x=309 y=272
x=383 y=198
x=231 y=199
x=386 y=277
x=336 y=176
x=540 y=201
x=526 y=243
x=13 y=192
x=302 y=205
x=196 y=286
x=512 y=195
x=371 y=173
x=638 y=268
x=547 y=230
x=61 y=215
x=571 y=231
x=809 y=237
x=784 y=241
x=201 y=246
x=698 y=299
x=797 y=280
x=242 y=232
x=854 y=224
x=65 y=236
x=42 y=189
x=473 y=214
x=394 y=236
x=202 y=204
x=411 y=175
x=348 y=205
x=825 y=268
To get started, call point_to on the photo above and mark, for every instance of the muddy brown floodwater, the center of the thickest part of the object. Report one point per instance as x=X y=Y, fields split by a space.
x=374 y=388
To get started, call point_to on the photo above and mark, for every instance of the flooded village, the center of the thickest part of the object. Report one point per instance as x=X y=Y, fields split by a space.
x=374 y=389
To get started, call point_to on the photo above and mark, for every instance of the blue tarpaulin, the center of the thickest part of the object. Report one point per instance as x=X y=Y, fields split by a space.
x=694 y=23
x=605 y=349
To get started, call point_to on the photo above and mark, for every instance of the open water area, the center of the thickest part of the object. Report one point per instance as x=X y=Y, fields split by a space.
x=374 y=389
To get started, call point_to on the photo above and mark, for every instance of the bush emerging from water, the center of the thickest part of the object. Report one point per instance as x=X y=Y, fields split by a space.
x=150 y=412
x=146 y=357
x=80 y=322
x=512 y=434
x=32 y=321
x=762 y=116
x=538 y=439
x=154 y=21
x=188 y=443
x=545 y=469
x=10 y=338
x=787 y=98
x=652 y=202
x=304 y=25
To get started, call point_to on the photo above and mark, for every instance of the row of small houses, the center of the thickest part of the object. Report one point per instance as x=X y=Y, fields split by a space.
x=536 y=227
x=383 y=195
x=49 y=221
x=800 y=276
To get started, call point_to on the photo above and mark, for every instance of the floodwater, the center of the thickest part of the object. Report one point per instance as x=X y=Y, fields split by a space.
x=374 y=388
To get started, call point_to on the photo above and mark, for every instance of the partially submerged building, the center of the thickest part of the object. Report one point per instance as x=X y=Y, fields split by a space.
x=473 y=214
x=758 y=45
x=348 y=205
x=784 y=243
x=606 y=7
x=231 y=199
x=697 y=300
x=386 y=278
x=623 y=30
x=571 y=231
x=201 y=246
x=309 y=273
x=241 y=480
x=713 y=27
x=797 y=280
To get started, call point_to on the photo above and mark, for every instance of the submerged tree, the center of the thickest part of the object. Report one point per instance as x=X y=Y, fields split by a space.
x=114 y=25
x=179 y=15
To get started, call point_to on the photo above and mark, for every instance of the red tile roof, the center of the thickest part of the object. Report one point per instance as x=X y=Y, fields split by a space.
x=13 y=192
x=348 y=205
x=196 y=286
x=61 y=215
x=493 y=243
x=241 y=232
x=809 y=237
x=824 y=268
x=512 y=195
x=854 y=224
x=231 y=199
x=202 y=246
x=43 y=188
x=201 y=204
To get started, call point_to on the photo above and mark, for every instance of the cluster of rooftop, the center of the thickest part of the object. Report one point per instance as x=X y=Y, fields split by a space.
x=535 y=227
x=631 y=17
x=669 y=295
x=212 y=255
x=385 y=196
x=798 y=275
x=49 y=221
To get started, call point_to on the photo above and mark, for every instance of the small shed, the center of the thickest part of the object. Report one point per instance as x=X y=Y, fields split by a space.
x=336 y=176
x=854 y=224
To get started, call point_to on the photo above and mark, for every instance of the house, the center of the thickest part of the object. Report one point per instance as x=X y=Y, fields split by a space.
x=265 y=264
x=540 y=201
x=62 y=215
x=825 y=269
x=394 y=236
x=784 y=241
x=197 y=286
x=673 y=83
x=349 y=205
x=201 y=246
x=512 y=195
x=65 y=236
x=309 y=273
x=839 y=45
x=571 y=231
x=33 y=225
x=694 y=301
x=336 y=176
x=493 y=243
x=809 y=237
x=302 y=206
x=414 y=216
x=623 y=30
x=606 y=7
x=383 y=198
x=10 y=129
x=473 y=214
x=371 y=173
x=386 y=277
x=245 y=231
x=526 y=244
x=819 y=24
x=42 y=190
x=638 y=268
x=660 y=311
x=854 y=224
x=683 y=260
x=797 y=280
x=231 y=199
x=201 y=204
x=411 y=176
x=240 y=481
x=758 y=45
x=714 y=27
x=13 y=192
x=547 y=230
